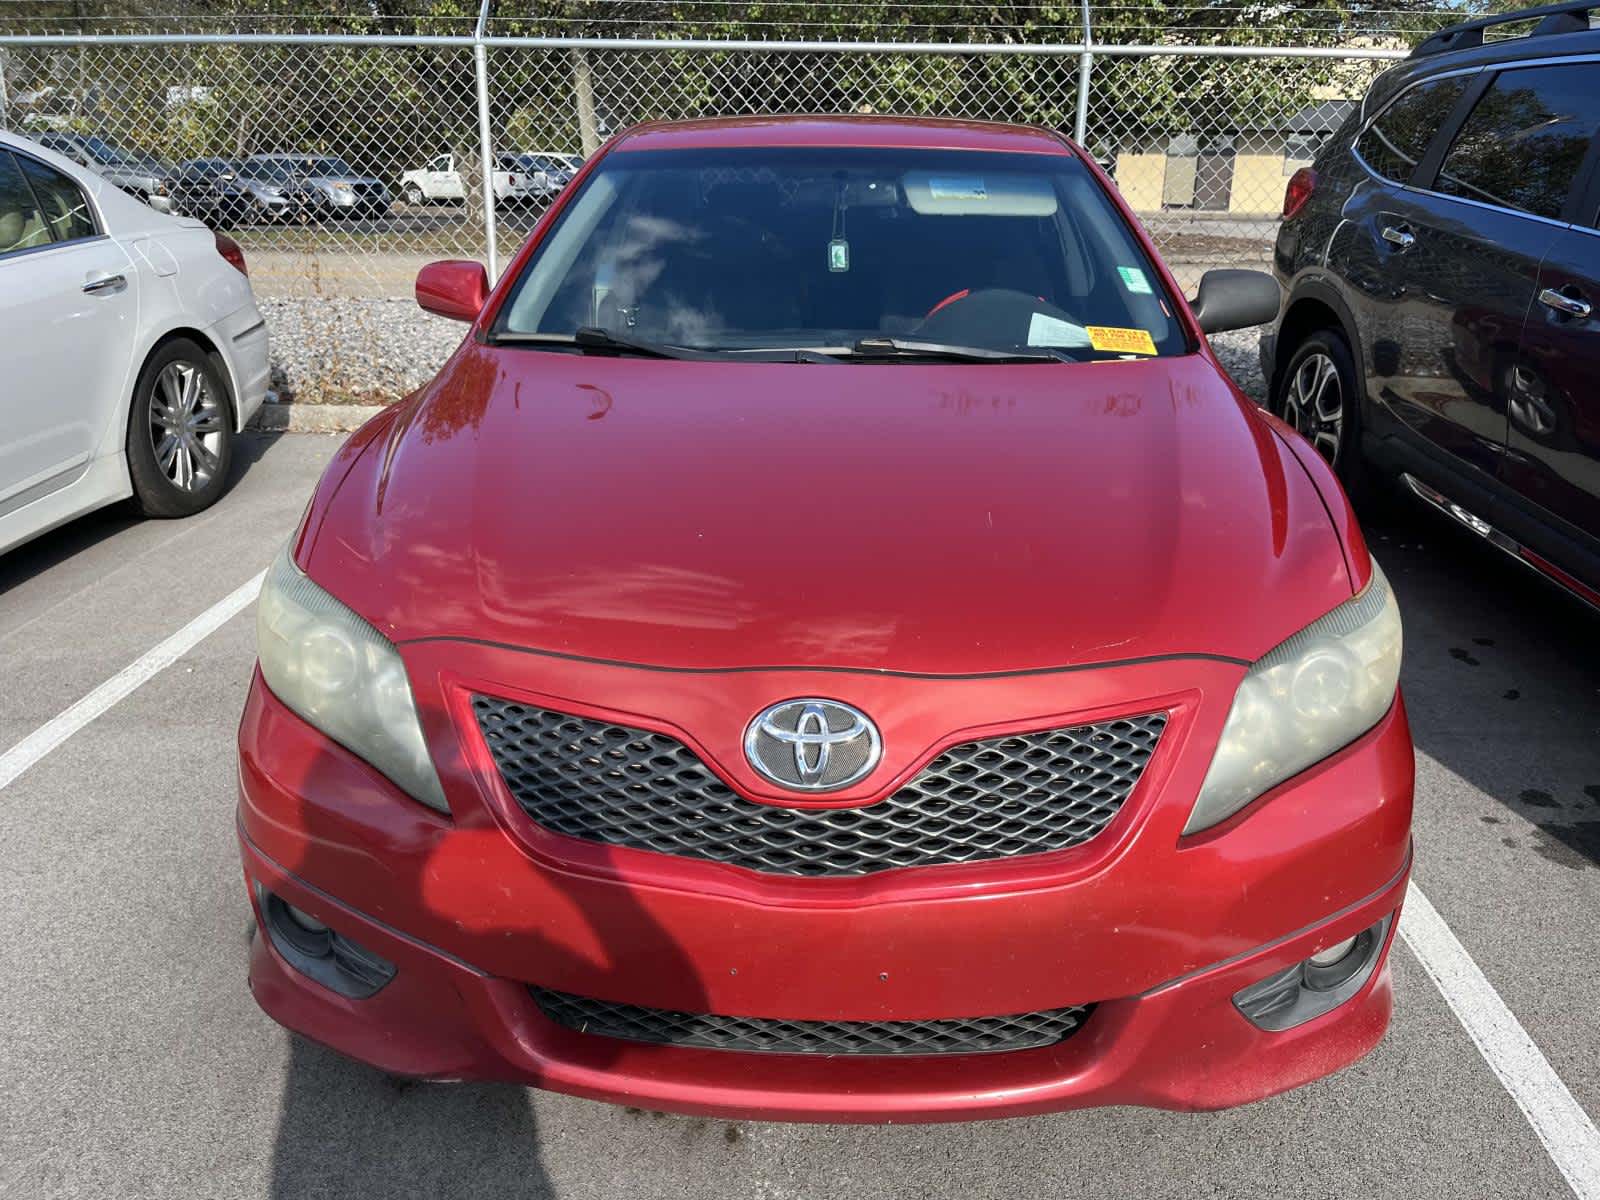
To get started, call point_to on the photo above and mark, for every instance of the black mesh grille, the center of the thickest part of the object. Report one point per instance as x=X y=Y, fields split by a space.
x=950 y=1035
x=991 y=799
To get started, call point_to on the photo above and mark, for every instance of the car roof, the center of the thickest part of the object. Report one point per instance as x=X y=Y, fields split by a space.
x=1496 y=53
x=881 y=132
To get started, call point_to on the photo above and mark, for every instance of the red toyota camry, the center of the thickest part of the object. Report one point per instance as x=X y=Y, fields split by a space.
x=832 y=644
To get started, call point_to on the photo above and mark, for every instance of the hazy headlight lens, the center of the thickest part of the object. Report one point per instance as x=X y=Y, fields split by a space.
x=343 y=676
x=1313 y=694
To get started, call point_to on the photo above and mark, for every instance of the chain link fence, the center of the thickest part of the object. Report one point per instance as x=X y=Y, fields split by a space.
x=343 y=163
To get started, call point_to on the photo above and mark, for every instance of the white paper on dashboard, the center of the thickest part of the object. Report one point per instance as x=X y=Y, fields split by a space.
x=1049 y=331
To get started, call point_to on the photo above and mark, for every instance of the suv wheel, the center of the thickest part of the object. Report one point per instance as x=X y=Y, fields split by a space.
x=1318 y=394
x=180 y=432
x=1313 y=400
x=413 y=194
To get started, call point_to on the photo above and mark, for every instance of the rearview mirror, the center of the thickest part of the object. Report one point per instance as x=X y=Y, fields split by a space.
x=1235 y=300
x=456 y=288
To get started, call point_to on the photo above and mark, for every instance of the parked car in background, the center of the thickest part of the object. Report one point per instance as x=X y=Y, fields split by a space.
x=132 y=349
x=517 y=180
x=1052 y=756
x=518 y=176
x=210 y=189
x=275 y=191
x=1442 y=262
x=438 y=181
x=552 y=172
x=140 y=175
x=330 y=187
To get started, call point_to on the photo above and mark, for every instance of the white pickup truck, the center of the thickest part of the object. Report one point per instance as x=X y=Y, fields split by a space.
x=521 y=176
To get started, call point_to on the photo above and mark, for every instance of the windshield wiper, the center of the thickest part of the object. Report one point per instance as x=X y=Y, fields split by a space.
x=593 y=338
x=891 y=348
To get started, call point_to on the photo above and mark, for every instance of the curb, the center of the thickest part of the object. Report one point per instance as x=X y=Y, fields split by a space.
x=312 y=418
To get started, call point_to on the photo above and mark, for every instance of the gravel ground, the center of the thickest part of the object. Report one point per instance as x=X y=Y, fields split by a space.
x=332 y=349
x=1238 y=351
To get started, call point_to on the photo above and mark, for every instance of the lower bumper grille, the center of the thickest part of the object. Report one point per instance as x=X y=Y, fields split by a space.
x=951 y=1035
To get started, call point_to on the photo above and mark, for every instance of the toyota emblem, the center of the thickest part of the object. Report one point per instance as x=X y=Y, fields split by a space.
x=812 y=745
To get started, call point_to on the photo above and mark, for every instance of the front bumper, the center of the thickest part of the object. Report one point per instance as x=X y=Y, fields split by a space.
x=1158 y=932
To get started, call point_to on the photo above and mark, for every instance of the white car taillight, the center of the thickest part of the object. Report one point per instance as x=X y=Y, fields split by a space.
x=233 y=252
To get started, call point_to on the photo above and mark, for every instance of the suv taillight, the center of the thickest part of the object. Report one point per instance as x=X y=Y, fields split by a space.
x=1301 y=184
x=231 y=250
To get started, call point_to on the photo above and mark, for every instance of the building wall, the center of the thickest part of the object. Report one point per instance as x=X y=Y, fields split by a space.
x=1258 y=182
x=1257 y=189
x=1140 y=178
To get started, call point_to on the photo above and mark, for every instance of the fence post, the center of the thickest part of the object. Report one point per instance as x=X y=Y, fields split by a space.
x=1080 y=128
x=3 y=124
x=480 y=58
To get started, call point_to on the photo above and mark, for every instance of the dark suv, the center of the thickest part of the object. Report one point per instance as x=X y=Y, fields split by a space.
x=1441 y=261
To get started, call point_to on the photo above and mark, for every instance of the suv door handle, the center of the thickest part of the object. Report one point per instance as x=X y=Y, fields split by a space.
x=1401 y=238
x=104 y=283
x=1571 y=306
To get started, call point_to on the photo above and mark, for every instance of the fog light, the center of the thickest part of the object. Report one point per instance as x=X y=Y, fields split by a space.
x=337 y=962
x=1315 y=986
x=309 y=923
x=1322 y=958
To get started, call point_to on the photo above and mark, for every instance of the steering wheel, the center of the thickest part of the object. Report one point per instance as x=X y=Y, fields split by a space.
x=988 y=316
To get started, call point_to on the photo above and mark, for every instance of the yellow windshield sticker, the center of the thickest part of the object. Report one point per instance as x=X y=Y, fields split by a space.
x=1121 y=341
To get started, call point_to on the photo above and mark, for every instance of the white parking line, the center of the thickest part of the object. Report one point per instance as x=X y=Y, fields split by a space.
x=62 y=726
x=1569 y=1136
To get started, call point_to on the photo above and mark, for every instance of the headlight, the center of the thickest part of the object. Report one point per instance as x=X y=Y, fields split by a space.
x=272 y=192
x=344 y=677
x=340 y=187
x=1313 y=694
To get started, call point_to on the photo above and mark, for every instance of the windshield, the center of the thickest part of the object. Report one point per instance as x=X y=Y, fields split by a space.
x=327 y=167
x=272 y=170
x=105 y=153
x=773 y=248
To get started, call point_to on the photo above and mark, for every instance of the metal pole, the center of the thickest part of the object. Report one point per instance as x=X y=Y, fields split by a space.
x=3 y=124
x=480 y=57
x=1080 y=127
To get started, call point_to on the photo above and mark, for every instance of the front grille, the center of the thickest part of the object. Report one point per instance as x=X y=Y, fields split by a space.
x=711 y=1031
x=997 y=798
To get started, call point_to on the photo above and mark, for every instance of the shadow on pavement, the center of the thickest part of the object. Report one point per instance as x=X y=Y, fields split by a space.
x=35 y=557
x=1501 y=679
x=346 y=1130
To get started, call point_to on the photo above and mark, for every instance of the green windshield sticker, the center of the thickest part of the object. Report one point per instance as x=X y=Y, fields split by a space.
x=838 y=255
x=1133 y=279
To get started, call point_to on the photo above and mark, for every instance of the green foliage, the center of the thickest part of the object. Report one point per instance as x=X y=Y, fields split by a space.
x=389 y=108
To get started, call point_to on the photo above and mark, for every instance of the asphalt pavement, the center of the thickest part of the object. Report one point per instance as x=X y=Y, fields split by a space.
x=134 y=1063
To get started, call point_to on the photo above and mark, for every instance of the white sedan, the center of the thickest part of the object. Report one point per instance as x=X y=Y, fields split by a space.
x=131 y=349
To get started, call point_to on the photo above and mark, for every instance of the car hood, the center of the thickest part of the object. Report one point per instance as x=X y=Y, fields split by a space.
x=945 y=519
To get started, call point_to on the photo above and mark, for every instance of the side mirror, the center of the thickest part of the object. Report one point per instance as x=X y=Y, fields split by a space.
x=455 y=288
x=1235 y=300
